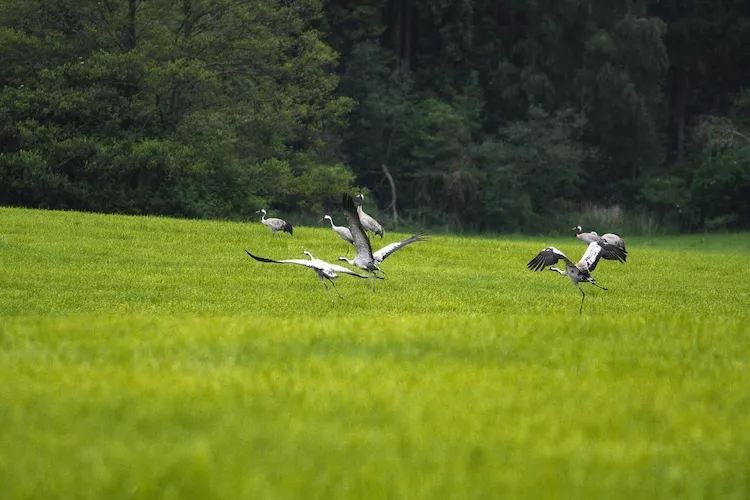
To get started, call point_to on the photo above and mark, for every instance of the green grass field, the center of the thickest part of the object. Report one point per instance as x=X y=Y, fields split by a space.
x=151 y=358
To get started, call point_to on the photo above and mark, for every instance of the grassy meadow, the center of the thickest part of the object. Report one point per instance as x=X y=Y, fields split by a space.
x=145 y=357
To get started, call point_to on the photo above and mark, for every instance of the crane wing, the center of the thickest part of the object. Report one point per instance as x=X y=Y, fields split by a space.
x=343 y=270
x=547 y=257
x=361 y=242
x=384 y=252
x=299 y=262
x=615 y=240
x=590 y=257
x=598 y=250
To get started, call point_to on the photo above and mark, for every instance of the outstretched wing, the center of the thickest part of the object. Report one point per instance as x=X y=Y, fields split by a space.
x=615 y=240
x=361 y=242
x=547 y=257
x=343 y=270
x=597 y=250
x=384 y=252
x=299 y=262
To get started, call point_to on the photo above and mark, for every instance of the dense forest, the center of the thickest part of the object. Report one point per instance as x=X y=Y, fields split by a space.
x=479 y=115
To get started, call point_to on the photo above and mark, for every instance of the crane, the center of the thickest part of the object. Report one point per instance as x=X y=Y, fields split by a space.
x=342 y=231
x=275 y=224
x=580 y=272
x=610 y=238
x=324 y=270
x=368 y=222
x=363 y=258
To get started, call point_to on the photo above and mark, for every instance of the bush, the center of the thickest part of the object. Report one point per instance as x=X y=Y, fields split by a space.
x=721 y=189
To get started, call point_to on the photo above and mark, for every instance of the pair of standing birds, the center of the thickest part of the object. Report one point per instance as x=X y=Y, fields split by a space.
x=370 y=224
x=365 y=258
x=608 y=246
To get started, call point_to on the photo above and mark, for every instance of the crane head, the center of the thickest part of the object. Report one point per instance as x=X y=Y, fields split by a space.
x=577 y=228
x=326 y=217
x=261 y=211
x=308 y=254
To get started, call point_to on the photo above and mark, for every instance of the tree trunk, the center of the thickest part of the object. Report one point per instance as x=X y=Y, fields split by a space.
x=393 y=191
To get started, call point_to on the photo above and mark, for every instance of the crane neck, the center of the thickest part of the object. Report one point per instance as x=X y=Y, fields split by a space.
x=553 y=268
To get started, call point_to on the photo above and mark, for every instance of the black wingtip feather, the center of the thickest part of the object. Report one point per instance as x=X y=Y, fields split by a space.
x=259 y=259
x=536 y=264
x=347 y=203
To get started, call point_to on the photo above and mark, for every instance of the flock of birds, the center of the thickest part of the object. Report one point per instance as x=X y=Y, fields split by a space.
x=608 y=246
x=358 y=222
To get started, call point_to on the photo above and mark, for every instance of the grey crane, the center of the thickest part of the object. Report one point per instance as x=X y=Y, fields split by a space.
x=580 y=272
x=368 y=222
x=363 y=258
x=342 y=231
x=610 y=238
x=275 y=224
x=324 y=270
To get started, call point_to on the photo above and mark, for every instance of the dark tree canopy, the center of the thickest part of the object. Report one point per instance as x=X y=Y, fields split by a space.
x=473 y=115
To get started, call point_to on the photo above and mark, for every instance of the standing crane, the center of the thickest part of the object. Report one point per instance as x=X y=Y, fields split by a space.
x=324 y=270
x=610 y=238
x=363 y=258
x=580 y=272
x=368 y=222
x=275 y=224
x=342 y=231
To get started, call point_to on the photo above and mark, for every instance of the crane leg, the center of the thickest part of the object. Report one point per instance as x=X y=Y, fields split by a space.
x=583 y=296
x=335 y=288
x=327 y=290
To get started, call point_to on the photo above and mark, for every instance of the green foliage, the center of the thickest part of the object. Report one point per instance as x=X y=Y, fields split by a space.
x=721 y=188
x=175 y=121
x=435 y=93
x=149 y=357
x=668 y=198
x=535 y=169
x=621 y=95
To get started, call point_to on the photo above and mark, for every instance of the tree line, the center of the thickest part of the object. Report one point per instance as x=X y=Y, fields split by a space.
x=517 y=115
